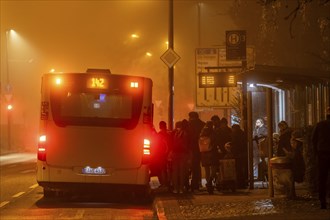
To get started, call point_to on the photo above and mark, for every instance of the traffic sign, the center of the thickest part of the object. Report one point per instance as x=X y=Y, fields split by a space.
x=170 y=58
x=236 y=45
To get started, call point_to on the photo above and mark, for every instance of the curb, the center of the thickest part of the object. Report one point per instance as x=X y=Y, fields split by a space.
x=158 y=206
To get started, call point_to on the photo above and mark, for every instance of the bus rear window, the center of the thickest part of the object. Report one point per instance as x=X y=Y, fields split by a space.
x=95 y=109
x=96 y=105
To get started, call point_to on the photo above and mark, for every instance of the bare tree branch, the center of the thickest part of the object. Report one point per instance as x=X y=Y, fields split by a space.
x=293 y=14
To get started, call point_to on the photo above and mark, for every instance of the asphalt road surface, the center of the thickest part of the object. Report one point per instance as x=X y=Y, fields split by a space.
x=22 y=198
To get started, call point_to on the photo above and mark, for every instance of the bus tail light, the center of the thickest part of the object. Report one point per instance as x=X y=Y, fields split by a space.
x=146 y=151
x=42 y=148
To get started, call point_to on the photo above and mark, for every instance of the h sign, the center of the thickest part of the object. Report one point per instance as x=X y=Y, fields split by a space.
x=236 y=45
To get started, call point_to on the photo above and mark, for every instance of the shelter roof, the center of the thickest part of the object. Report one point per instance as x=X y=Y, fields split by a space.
x=286 y=77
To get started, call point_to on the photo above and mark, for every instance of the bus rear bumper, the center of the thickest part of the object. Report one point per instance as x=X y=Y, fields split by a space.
x=61 y=179
x=92 y=188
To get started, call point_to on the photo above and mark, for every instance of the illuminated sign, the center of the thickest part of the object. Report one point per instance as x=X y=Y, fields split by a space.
x=97 y=83
x=219 y=79
x=94 y=171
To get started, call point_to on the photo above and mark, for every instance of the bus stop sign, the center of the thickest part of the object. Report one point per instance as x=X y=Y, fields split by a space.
x=236 y=45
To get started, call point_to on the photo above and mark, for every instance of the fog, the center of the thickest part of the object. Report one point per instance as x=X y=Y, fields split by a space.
x=71 y=36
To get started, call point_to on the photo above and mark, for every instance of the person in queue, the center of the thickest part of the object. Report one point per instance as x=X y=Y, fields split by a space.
x=209 y=155
x=241 y=155
x=222 y=134
x=284 y=144
x=179 y=154
x=164 y=142
x=298 y=162
x=321 y=147
x=195 y=127
x=259 y=139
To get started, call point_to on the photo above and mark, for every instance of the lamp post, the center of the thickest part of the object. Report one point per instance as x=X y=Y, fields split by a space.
x=8 y=94
x=171 y=69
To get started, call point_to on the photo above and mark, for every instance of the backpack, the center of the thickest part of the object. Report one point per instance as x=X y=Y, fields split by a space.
x=204 y=143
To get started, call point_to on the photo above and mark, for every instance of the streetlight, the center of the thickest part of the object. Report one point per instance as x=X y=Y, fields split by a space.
x=8 y=90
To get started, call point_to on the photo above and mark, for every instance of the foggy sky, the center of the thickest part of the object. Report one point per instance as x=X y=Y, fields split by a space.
x=71 y=36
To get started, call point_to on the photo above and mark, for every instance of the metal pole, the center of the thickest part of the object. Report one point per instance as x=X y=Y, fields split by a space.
x=7 y=62
x=170 y=69
x=250 y=141
x=9 y=130
x=269 y=102
x=8 y=90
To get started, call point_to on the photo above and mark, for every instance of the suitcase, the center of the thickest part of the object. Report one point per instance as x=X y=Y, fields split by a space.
x=226 y=178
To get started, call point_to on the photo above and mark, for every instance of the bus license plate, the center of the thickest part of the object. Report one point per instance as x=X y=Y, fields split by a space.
x=94 y=171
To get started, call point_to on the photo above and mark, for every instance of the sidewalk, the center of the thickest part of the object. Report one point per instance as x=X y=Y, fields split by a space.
x=242 y=204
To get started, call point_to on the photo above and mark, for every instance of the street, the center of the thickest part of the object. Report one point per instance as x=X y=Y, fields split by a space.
x=22 y=198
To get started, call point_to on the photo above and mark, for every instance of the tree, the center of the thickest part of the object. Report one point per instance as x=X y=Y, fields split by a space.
x=290 y=32
x=300 y=10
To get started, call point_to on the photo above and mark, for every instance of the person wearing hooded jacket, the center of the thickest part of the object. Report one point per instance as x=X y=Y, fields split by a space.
x=321 y=147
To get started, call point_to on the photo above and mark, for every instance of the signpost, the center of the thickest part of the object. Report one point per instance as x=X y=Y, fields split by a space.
x=170 y=58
